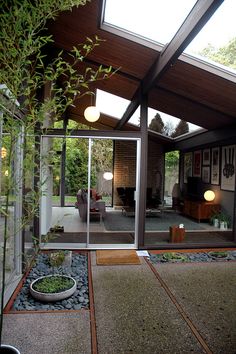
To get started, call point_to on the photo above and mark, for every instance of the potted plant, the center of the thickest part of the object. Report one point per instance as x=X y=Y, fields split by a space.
x=224 y=221
x=25 y=71
x=214 y=219
x=54 y=287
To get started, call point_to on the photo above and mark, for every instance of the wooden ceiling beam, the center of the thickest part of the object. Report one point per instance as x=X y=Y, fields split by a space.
x=196 y=19
x=218 y=137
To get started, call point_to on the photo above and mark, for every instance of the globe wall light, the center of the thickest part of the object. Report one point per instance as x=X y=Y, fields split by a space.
x=108 y=176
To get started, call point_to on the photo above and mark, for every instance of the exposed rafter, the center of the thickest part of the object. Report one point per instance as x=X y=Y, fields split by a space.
x=197 y=18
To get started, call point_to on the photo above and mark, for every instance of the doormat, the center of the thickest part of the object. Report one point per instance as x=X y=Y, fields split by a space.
x=117 y=257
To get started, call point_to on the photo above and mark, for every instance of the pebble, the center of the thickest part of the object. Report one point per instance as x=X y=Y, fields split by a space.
x=79 y=271
x=194 y=257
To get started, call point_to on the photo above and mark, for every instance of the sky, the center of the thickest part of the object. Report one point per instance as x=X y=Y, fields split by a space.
x=156 y=21
x=151 y=21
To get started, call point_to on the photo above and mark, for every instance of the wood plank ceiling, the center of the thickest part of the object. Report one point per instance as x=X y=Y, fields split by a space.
x=184 y=90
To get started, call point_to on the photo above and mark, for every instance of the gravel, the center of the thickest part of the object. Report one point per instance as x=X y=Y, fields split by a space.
x=178 y=257
x=78 y=270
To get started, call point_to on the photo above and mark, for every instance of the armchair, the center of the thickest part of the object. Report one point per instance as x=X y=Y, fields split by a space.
x=97 y=206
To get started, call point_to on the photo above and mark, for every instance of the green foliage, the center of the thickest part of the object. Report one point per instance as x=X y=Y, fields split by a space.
x=53 y=284
x=157 y=124
x=172 y=256
x=25 y=70
x=77 y=160
x=57 y=258
x=172 y=160
x=224 y=55
x=181 y=128
x=218 y=254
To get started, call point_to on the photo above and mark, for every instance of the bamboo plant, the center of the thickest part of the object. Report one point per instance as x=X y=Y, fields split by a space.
x=25 y=69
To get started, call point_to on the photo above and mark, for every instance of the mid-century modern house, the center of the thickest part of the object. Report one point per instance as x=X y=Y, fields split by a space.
x=154 y=76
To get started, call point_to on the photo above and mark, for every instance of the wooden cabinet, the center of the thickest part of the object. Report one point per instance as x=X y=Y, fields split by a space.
x=200 y=210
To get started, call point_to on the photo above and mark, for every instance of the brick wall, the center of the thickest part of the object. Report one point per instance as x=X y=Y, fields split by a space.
x=125 y=167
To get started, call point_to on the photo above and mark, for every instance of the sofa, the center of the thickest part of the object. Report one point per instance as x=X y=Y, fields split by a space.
x=97 y=206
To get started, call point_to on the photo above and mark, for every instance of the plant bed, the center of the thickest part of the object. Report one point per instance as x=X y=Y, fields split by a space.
x=178 y=257
x=78 y=270
x=52 y=288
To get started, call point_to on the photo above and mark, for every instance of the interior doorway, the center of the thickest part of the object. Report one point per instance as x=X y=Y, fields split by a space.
x=171 y=184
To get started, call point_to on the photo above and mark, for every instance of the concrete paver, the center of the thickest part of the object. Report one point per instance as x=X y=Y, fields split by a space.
x=47 y=333
x=134 y=315
x=206 y=291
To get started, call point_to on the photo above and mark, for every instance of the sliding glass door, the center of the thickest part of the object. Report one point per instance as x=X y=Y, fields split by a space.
x=99 y=175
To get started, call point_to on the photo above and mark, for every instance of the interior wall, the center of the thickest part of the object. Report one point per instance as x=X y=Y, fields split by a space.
x=223 y=197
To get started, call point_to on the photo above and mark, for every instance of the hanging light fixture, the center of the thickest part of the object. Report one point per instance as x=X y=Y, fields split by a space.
x=91 y=113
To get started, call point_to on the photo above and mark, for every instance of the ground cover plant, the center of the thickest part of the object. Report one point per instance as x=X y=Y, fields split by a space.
x=54 y=284
x=184 y=257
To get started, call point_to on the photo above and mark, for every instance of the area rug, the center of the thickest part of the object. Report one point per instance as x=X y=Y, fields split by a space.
x=116 y=221
x=117 y=257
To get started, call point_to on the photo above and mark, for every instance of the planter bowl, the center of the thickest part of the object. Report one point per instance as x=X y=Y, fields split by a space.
x=8 y=349
x=51 y=297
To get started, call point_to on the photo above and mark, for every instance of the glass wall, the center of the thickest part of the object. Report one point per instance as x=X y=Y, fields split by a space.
x=10 y=208
x=93 y=173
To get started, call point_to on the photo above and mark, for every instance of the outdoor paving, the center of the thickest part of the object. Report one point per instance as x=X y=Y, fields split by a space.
x=207 y=293
x=47 y=333
x=134 y=315
x=135 y=312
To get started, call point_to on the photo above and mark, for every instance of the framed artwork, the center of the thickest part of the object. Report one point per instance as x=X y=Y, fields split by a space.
x=197 y=161
x=206 y=174
x=215 y=165
x=187 y=166
x=228 y=162
x=206 y=157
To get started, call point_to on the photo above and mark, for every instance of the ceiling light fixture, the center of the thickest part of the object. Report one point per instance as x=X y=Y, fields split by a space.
x=91 y=113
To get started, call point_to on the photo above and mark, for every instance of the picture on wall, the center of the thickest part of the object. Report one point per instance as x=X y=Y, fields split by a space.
x=187 y=166
x=206 y=174
x=206 y=157
x=228 y=162
x=197 y=161
x=215 y=165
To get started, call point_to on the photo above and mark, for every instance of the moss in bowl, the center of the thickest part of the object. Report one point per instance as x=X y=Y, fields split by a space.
x=53 y=287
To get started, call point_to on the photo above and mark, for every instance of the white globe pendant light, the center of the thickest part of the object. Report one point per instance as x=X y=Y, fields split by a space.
x=91 y=114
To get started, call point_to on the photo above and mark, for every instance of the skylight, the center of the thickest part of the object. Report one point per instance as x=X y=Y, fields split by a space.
x=154 y=21
x=115 y=106
x=217 y=33
x=159 y=20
